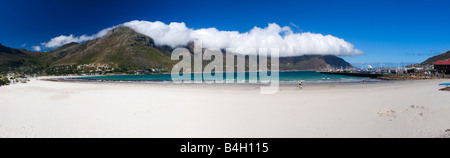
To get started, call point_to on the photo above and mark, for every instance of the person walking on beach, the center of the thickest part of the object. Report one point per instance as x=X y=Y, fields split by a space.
x=300 y=84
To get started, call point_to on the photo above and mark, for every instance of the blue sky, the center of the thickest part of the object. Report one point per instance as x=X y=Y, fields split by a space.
x=386 y=31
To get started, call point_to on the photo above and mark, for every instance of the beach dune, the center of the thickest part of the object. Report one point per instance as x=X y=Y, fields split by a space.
x=87 y=109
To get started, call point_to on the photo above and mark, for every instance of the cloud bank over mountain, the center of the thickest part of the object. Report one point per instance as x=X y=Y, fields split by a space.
x=63 y=39
x=273 y=36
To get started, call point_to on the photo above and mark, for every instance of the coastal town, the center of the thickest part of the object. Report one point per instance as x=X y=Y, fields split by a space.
x=23 y=74
x=438 y=70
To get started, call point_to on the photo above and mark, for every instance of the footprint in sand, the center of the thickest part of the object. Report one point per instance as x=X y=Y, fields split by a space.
x=387 y=113
x=419 y=109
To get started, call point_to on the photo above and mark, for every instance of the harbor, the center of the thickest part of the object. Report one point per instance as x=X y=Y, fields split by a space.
x=394 y=76
x=438 y=70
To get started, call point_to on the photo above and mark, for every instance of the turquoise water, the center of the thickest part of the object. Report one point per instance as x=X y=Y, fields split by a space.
x=294 y=76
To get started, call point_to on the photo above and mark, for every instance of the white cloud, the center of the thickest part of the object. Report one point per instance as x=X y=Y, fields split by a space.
x=36 y=48
x=63 y=39
x=23 y=45
x=273 y=36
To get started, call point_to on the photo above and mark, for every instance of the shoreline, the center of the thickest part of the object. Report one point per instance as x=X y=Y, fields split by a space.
x=247 y=87
x=282 y=84
x=82 y=79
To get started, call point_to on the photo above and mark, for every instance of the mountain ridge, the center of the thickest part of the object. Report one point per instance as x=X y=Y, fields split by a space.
x=124 y=48
x=431 y=60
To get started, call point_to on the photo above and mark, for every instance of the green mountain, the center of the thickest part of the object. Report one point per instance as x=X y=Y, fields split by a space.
x=125 y=49
x=313 y=62
x=11 y=57
x=121 y=48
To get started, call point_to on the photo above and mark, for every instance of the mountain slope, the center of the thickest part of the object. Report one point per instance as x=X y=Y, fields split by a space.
x=122 y=48
x=313 y=62
x=433 y=59
x=11 y=58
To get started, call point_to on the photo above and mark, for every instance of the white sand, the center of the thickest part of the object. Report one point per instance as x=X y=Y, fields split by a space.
x=62 y=109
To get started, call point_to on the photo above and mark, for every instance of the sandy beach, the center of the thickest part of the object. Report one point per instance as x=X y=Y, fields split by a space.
x=40 y=108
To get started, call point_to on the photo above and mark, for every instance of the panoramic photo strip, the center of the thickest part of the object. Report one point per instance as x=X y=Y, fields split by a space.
x=225 y=69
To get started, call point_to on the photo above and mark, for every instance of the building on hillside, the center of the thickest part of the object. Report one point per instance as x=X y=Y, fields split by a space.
x=442 y=65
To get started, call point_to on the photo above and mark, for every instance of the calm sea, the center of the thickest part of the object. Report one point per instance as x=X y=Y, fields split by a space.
x=293 y=76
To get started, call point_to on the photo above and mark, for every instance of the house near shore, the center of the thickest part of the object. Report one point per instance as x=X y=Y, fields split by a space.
x=442 y=65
